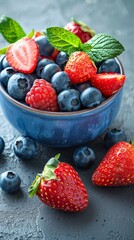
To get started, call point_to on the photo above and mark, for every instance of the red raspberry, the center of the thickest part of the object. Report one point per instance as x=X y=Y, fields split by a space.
x=42 y=96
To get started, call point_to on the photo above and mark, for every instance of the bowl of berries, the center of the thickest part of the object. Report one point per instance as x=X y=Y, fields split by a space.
x=58 y=89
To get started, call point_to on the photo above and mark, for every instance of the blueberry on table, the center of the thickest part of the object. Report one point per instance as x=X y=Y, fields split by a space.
x=83 y=157
x=2 y=145
x=69 y=100
x=109 y=65
x=49 y=70
x=91 y=97
x=113 y=136
x=60 y=81
x=19 y=85
x=24 y=148
x=6 y=74
x=41 y=64
x=10 y=182
x=62 y=59
x=45 y=47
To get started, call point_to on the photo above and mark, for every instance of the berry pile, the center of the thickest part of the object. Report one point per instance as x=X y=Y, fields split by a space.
x=36 y=73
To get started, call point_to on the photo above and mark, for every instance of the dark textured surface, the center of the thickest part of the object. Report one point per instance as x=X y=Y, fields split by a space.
x=110 y=212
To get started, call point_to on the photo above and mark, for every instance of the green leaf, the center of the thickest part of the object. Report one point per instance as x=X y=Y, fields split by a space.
x=86 y=47
x=4 y=50
x=31 y=34
x=11 y=29
x=51 y=165
x=104 y=46
x=63 y=40
x=34 y=186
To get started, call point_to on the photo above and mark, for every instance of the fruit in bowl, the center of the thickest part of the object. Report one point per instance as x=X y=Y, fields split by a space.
x=67 y=104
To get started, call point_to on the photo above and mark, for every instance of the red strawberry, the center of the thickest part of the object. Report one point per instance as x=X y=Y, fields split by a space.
x=80 y=67
x=42 y=96
x=23 y=55
x=108 y=83
x=59 y=186
x=117 y=167
x=81 y=30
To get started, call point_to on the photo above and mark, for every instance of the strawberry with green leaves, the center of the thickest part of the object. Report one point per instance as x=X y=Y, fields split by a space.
x=59 y=186
x=117 y=167
x=80 y=29
x=108 y=83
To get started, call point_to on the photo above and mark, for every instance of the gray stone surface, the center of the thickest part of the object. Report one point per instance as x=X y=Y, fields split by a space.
x=110 y=212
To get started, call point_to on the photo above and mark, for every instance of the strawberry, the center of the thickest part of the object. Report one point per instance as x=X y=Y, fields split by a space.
x=80 y=67
x=108 y=83
x=23 y=55
x=59 y=186
x=42 y=96
x=117 y=167
x=80 y=29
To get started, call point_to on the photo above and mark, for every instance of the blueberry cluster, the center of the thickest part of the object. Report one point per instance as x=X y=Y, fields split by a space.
x=70 y=97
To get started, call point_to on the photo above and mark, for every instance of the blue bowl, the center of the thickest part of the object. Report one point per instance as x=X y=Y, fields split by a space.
x=61 y=129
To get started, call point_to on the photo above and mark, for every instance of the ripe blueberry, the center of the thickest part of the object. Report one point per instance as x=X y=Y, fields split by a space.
x=41 y=64
x=69 y=100
x=113 y=136
x=60 y=81
x=109 y=65
x=24 y=148
x=6 y=74
x=82 y=86
x=45 y=48
x=83 y=157
x=2 y=145
x=62 y=59
x=49 y=70
x=18 y=85
x=91 y=97
x=10 y=181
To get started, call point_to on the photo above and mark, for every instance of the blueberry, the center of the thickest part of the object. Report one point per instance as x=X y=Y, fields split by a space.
x=113 y=136
x=82 y=86
x=1 y=60
x=110 y=65
x=2 y=145
x=69 y=100
x=60 y=81
x=45 y=48
x=62 y=59
x=41 y=64
x=49 y=70
x=91 y=97
x=6 y=74
x=83 y=157
x=10 y=182
x=18 y=85
x=24 y=148
x=5 y=63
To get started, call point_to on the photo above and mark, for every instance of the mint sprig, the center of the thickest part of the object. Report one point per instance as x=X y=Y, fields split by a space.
x=11 y=29
x=100 y=47
x=104 y=46
x=63 y=40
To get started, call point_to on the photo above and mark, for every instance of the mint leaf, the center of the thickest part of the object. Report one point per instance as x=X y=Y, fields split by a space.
x=31 y=34
x=4 y=50
x=63 y=40
x=104 y=46
x=11 y=30
x=86 y=47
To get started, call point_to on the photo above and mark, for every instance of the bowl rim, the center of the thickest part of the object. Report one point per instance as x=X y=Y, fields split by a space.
x=62 y=114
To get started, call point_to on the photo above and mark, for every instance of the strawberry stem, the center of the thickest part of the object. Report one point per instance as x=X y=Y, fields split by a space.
x=47 y=174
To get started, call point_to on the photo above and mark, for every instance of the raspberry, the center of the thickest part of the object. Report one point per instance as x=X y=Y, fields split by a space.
x=42 y=96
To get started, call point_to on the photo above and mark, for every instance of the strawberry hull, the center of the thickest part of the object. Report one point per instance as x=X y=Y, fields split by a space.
x=60 y=129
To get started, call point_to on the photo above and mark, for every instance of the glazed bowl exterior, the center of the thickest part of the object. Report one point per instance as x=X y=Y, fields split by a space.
x=60 y=129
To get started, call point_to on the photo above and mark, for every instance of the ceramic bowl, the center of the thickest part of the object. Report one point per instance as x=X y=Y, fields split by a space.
x=61 y=129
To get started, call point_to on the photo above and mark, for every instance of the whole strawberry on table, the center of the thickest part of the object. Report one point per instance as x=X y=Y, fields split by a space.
x=41 y=69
